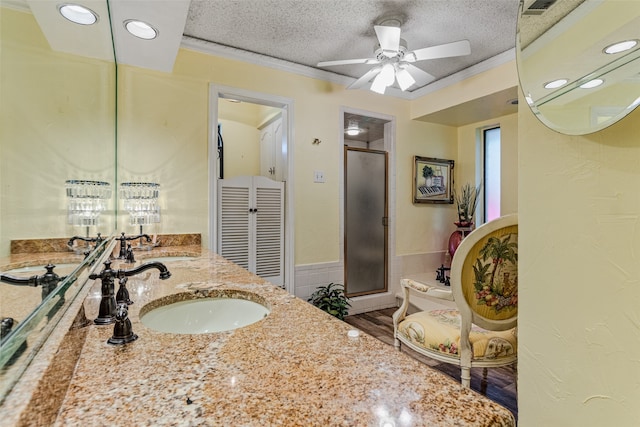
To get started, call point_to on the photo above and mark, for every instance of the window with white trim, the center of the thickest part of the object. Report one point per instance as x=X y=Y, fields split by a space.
x=491 y=172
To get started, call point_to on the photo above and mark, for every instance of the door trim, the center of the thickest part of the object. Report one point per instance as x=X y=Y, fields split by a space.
x=390 y=148
x=216 y=92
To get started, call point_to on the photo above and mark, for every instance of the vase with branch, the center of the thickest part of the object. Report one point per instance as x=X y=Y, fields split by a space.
x=467 y=202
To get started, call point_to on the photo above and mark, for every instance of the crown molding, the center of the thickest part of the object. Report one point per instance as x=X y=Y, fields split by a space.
x=228 y=52
x=479 y=68
x=19 y=5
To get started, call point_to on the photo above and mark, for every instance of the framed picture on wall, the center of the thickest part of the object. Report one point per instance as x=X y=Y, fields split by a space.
x=432 y=180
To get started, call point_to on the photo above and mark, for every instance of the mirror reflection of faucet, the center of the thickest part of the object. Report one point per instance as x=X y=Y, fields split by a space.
x=87 y=248
x=6 y=326
x=126 y=250
x=49 y=280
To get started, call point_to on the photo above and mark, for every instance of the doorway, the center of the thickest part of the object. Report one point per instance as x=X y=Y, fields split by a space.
x=366 y=250
x=271 y=109
x=366 y=221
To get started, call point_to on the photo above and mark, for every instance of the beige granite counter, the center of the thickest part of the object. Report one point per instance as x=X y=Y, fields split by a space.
x=296 y=367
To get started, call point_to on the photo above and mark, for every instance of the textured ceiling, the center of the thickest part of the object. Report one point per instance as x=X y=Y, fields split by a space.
x=309 y=31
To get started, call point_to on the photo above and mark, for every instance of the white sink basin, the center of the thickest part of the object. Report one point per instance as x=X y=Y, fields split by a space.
x=204 y=315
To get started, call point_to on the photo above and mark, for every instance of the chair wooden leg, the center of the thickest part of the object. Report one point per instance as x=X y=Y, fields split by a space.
x=465 y=376
x=483 y=383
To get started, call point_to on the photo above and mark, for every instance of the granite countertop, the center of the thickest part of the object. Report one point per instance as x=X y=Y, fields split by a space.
x=297 y=366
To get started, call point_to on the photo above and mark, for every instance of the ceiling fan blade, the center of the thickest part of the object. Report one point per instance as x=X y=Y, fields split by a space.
x=346 y=62
x=421 y=77
x=389 y=37
x=365 y=78
x=459 y=48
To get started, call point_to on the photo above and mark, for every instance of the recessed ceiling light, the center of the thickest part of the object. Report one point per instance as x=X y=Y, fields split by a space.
x=620 y=47
x=353 y=129
x=78 y=14
x=140 y=29
x=555 y=83
x=592 y=83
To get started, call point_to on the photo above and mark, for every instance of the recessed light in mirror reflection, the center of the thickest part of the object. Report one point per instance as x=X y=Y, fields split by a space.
x=620 y=47
x=141 y=29
x=592 y=83
x=554 y=84
x=78 y=14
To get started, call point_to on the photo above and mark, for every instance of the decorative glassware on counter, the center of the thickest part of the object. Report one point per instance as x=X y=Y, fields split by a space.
x=86 y=201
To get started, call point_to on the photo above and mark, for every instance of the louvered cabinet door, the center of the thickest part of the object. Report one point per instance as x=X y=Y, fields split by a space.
x=251 y=225
x=269 y=226
x=234 y=198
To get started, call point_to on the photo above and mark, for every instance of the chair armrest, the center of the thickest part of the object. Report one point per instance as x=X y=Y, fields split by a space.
x=422 y=289
x=432 y=290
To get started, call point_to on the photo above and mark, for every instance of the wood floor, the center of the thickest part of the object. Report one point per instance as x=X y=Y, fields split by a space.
x=501 y=382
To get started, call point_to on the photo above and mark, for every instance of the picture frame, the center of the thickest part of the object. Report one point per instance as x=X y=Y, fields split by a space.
x=432 y=180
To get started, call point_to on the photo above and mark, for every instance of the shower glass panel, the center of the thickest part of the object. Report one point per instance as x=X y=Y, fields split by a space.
x=365 y=240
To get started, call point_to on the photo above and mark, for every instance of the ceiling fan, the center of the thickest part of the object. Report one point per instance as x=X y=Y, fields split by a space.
x=394 y=62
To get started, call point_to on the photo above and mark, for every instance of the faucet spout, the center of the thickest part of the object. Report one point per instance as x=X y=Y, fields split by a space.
x=164 y=271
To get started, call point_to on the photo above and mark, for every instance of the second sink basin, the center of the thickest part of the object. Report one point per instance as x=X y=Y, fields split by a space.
x=204 y=315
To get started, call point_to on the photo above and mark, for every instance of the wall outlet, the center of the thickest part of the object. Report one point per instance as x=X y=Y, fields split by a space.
x=318 y=176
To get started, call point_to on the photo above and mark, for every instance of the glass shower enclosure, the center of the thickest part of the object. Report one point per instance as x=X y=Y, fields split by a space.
x=366 y=221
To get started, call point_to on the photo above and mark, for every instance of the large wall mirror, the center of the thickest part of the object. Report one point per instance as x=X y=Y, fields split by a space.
x=578 y=61
x=57 y=124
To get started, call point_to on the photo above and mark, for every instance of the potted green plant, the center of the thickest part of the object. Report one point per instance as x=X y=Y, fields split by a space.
x=331 y=298
x=467 y=201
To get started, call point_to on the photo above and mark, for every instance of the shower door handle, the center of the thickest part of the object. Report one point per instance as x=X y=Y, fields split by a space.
x=385 y=221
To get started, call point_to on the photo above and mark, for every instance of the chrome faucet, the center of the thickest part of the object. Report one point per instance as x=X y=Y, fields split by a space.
x=108 y=301
x=49 y=281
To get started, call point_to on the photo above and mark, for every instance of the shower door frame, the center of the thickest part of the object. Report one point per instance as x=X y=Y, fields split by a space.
x=384 y=221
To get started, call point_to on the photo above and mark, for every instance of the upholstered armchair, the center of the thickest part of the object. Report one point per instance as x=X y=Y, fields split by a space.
x=482 y=332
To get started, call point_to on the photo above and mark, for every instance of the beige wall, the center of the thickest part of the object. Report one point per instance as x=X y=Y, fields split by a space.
x=241 y=149
x=57 y=122
x=171 y=111
x=579 y=275
x=240 y=122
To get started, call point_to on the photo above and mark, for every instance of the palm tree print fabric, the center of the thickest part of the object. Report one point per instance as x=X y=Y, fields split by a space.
x=490 y=286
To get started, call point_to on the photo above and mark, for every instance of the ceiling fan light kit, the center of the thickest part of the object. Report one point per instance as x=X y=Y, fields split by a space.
x=393 y=61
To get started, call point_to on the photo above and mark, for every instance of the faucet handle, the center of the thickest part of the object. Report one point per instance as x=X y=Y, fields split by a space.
x=130 y=259
x=6 y=325
x=122 y=296
x=122 y=330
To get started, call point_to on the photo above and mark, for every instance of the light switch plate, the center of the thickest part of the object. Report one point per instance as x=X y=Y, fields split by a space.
x=318 y=176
